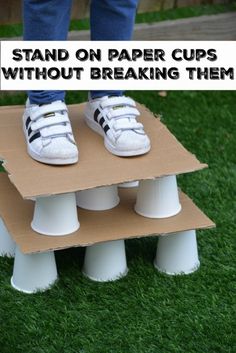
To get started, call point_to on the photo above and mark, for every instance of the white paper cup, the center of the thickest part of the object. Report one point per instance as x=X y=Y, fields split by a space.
x=158 y=198
x=33 y=272
x=177 y=253
x=55 y=215
x=7 y=245
x=98 y=199
x=105 y=261
x=130 y=184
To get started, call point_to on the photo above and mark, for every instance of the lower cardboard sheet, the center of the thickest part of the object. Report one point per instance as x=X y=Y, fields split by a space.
x=95 y=226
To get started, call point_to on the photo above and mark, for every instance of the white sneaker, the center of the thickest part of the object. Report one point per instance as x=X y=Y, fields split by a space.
x=48 y=133
x=114 y=118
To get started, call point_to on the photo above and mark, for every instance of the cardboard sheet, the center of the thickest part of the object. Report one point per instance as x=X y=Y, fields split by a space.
x=96 y=167
x=96 y=226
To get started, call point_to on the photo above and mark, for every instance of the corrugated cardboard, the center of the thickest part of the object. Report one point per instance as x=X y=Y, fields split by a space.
x=96 y=167
x=96 y=226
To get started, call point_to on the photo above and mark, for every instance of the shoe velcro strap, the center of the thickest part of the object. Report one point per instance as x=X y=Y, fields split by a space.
x=47 y=109
x=49 y=121
x=113 y=101
x=127 y=125
x=56 y=130
x=124 y=111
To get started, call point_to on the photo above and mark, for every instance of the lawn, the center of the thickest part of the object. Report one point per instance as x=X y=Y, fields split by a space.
x=146 y=311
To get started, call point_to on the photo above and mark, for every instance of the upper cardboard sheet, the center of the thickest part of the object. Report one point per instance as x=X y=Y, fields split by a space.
x=95 y=226
x=97 y=166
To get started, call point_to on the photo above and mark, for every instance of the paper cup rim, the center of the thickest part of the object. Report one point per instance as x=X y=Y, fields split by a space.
x=167 y=215
x=120 y=276
x=33 y=291
x=42 y=232
x=9 y=255
x=192 y=270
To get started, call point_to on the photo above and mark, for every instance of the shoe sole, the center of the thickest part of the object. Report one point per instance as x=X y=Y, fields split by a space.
x=53 y=161
x=95 y=127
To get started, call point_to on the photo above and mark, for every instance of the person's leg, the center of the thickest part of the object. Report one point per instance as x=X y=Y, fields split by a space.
x=48 y=140
x=112 y=20
x=110 y=113
x=46 y=20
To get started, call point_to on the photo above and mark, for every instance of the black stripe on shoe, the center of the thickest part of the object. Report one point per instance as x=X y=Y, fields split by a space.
x=96 y=113
x=34 y=137
x=101 y=121
x=28 y=120
x=29 y=131
x=106 y=128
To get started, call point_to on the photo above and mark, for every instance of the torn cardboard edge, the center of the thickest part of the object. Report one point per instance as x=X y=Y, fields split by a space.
x=95 y=226
x=97 y=167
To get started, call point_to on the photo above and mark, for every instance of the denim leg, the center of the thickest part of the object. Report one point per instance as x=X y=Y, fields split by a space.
x=46 y=20
x=112 y=20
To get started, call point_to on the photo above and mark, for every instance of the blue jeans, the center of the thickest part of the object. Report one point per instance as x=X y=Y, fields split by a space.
x=49 y=20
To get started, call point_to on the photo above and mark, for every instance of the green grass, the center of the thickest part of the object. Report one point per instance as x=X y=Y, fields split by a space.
x=146 y=312
x=15 y=30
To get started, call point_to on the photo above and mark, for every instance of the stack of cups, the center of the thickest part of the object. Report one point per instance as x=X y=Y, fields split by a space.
x=158 y=198
x=55 y=215
x=105 y=261
x=33 y=272
x=177 y=253
x=7 y=245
